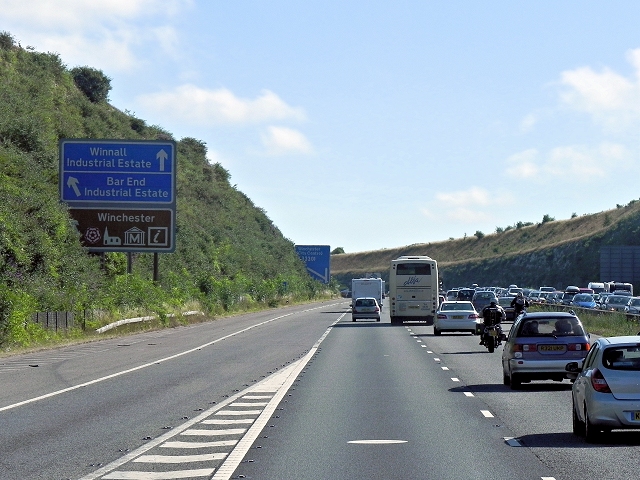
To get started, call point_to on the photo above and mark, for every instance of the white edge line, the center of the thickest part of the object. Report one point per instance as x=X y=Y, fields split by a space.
x=155 y=362
x=178 y=430
x=229 y=466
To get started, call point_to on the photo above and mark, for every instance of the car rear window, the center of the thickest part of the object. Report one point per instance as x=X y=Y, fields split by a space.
x=457 y=306
x=550 y=327
x=365 y=302
x=622 y=358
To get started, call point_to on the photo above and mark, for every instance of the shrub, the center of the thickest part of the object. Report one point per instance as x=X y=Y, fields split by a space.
x=92 y=82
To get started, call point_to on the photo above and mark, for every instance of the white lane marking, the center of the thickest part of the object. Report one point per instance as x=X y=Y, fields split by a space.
x=487 y=413
x=376 y=442
x=419 y=341
x=213 y=433
x=445 y=368
x=429 y=351
x=233 y=421
x=547 y=478
x=202 y=472
x=220 y=443
x=249 y=404
x=268 y=385
x=285 y=379
x=468 y=394
x=205 y=457
x=436 y=359
x=257 y=397
x=512 y=442
x=155 y=362
x=454 y=379
x=423 y=346
x=238 y=412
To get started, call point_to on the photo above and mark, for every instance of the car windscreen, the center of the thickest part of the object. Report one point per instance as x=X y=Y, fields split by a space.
x=622 y=358
x=505 y=301
x=550 y=327
x=583 y=297
x=618 y=299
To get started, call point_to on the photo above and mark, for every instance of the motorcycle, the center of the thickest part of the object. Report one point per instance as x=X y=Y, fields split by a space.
x=492 y=337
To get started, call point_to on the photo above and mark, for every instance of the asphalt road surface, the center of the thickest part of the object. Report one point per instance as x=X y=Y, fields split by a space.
x=301 y=392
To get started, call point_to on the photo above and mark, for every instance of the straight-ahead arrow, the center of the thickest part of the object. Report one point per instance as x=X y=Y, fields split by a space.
x=162 y=156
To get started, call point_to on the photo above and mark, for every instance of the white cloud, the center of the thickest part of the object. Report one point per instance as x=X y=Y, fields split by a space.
x=612 y=100
x=523 y=164
x=578 y=162
x=528 y=122
x=283 y=141
x=104 y=34
x=195 y=105
x=473 y=205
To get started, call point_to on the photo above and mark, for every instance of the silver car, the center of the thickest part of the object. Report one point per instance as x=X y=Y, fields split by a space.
x=540 y=345
x=365 y=307
x=606 y=392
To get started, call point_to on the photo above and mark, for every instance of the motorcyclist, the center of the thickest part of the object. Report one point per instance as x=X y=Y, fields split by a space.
x=519 y=303
x=492 y=314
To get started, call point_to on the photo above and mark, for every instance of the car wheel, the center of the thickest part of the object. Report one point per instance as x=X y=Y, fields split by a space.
x=353 y=319
x=505 y=378
x=436 y=331
x=591 y=432
x=578 y=425
x=378 y=319
x=514 y=381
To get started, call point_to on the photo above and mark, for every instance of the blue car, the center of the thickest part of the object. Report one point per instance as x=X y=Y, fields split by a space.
x=583 y=300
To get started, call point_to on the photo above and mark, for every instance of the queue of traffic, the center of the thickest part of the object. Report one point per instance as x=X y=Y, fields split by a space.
x=554 y=345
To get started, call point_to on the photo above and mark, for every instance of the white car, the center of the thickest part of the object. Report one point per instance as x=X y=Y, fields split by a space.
x=456 y=317
x=365 y=307
x=606 y=392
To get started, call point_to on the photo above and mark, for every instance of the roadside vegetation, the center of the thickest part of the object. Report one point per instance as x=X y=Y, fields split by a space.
x=230 y=257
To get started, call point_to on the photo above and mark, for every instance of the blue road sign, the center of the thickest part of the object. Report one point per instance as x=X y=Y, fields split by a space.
x=117 y=171
x=318 y=261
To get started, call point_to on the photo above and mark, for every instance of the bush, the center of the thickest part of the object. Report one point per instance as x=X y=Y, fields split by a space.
x=92 y=82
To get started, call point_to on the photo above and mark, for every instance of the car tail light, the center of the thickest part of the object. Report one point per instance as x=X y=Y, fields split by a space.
x=577 y=347
x=442 y=316
x=377 y=309
x=474 y=315
x=525 y=347
x=598 y=382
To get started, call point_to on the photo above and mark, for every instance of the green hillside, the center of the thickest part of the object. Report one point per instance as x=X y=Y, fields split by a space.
x=229 y=254
x=553 y=252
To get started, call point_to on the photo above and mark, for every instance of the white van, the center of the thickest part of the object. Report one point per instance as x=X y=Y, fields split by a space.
x=597 y=287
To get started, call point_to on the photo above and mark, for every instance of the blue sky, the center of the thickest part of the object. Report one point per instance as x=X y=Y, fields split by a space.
x=369 y=125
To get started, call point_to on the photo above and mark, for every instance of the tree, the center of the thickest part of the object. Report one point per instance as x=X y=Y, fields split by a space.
x=547 y=218
x=337 y=251
x=479 y=234
x=93 y=83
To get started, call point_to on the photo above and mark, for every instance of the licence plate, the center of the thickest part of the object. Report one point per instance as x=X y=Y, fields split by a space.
x=636 y=416
x=551 y=348
x=414 y=306
x=493 y=333
x=457 y=317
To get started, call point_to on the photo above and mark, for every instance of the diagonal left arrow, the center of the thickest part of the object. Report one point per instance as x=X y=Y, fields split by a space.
x=73 y=183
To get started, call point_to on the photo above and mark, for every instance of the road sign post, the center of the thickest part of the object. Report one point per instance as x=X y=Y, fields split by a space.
x=121 y=193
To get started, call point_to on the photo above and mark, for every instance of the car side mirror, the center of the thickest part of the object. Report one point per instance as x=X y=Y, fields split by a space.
x=573 y=369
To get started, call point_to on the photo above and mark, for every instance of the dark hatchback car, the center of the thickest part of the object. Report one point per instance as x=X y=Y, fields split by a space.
x=540 y=345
